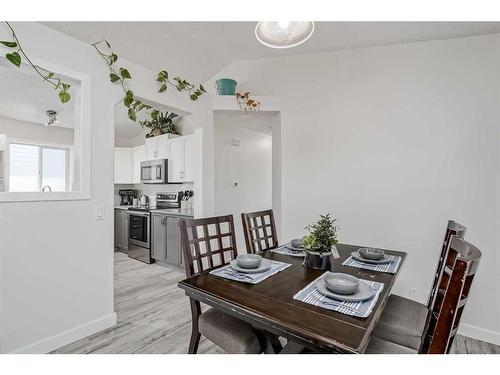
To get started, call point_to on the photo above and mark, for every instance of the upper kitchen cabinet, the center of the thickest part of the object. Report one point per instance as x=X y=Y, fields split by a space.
x=180 y=159
x=123 y=161
x=138 y=155
x=157 y=147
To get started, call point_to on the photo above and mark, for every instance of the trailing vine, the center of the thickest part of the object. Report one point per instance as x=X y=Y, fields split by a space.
x=15 y=58
x=116 y=75
x=120 y=76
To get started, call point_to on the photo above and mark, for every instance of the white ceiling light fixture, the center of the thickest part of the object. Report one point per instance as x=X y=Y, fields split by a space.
x=51 y=118
x=283 y=34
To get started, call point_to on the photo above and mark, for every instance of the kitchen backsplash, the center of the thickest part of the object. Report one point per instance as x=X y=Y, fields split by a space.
x=151 y=190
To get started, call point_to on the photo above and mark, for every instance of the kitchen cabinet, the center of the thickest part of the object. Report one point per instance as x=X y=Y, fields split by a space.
x=123 y=162
x=166 y=239
x=121 y=230
x=180 y=159
x=138 y=155
x=157 y=147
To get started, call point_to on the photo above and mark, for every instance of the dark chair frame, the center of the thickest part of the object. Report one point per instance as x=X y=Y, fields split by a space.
x=257 y=237
x=188 y=243
x=462 y=261
x=453 y=229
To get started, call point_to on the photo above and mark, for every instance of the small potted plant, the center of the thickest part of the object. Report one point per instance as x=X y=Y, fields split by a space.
x=160 y=123
x=319 y=242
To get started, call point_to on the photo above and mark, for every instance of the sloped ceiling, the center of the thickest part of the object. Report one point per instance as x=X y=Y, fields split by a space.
x=198 y=50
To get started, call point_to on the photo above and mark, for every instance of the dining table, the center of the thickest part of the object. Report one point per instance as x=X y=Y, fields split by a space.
x=270 y=305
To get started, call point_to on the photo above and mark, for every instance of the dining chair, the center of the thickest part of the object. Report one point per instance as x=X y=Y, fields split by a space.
x=208 y=243
x=452 y=292
x=403 y=319
x=260 y=231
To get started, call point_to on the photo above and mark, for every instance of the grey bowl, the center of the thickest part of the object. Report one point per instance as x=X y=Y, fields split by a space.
x=248 y=260
x=373 y=254
x=297 y=243
x=341 y=283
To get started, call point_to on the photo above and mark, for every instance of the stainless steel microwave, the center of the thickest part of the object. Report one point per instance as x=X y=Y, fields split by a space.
x=154 y=171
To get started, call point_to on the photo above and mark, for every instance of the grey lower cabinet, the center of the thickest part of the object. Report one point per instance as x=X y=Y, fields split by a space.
x=121 y=230
x=166 y=239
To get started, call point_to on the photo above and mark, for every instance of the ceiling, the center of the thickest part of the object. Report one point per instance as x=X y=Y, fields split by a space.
x=25 y=97
x=198 y=50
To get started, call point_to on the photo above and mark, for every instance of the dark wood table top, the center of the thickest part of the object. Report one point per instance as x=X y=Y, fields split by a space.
x=270 y=305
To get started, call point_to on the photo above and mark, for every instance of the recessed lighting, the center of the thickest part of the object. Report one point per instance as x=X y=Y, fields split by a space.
x=283 y=34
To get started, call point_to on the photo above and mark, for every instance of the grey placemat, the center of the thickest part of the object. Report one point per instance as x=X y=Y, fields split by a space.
x=311 y=295
x=252 y=278
x=390 y=267
x=284 y=250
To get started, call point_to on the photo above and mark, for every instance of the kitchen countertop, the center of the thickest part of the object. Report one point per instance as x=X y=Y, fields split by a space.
x=165 y=211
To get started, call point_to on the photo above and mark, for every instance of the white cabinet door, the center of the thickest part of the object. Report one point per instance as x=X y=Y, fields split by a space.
x=152 y=148
x=188 y=159
x=176 y=160
x=123 y=165
x=138 y=155
x=162 y=142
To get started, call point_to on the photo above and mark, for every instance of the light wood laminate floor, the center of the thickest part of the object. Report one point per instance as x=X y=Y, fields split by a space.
x=154 y=316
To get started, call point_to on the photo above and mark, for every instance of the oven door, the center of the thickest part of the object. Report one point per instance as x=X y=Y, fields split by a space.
x=139 y=229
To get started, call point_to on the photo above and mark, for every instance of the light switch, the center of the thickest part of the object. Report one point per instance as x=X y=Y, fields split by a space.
x=99 y=213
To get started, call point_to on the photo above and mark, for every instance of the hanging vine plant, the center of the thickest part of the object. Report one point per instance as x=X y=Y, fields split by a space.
x=15 y=57
x=116 y=75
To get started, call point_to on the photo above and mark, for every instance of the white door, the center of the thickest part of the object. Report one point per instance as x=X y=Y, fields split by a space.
x=123 y=165
x=152 y=148
x=138 y=155
x=188 y=159
x=176 y=160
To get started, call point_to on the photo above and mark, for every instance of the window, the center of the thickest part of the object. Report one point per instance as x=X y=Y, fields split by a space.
x=37 y=167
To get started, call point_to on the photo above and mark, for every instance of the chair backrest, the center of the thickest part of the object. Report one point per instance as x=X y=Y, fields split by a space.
x=207 y=243
x=260 y=231
x=453 y=229
x=453 y=289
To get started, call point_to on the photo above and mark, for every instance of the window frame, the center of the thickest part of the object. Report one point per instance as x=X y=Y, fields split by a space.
x=82 y=141
x=41 y=146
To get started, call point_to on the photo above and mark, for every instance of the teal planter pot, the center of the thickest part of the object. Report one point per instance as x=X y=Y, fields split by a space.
x=226 y=86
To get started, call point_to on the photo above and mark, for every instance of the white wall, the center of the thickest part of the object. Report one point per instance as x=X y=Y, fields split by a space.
x=249 y=165
x=56 y=260
x=28 y=131
x=394 y=141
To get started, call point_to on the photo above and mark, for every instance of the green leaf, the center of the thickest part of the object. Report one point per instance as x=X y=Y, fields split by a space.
x=66 y=86
x=129 y=98
x=107 y=43
x=114 y=77
x=193 y=97
x=162 y=76
x=114 y=57
x=14 y=58
x=131 y=114
x=202 y=88
x=50 y=75
x=64 y=96
x=8 y=44
x=125 y=74
x=163 y=88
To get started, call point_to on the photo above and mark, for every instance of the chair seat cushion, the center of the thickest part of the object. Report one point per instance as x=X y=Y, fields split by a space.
x=231 y=334
x=379 y=346
x=402 y=322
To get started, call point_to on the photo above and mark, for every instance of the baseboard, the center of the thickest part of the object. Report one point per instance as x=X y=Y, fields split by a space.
x=55 y=342
x=478 y=333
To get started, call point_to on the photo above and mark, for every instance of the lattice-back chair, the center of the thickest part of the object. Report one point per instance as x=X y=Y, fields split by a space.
x=404 y=320
x=208 y=243
x=260 y=231
x=453 y=229
x=452 y=294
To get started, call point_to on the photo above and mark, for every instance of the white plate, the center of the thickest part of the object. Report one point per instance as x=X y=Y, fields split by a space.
x=364 y=292
x=264 y=266
x=386 y=259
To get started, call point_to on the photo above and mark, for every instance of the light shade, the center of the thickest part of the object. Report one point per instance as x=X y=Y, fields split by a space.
x=283 y=34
